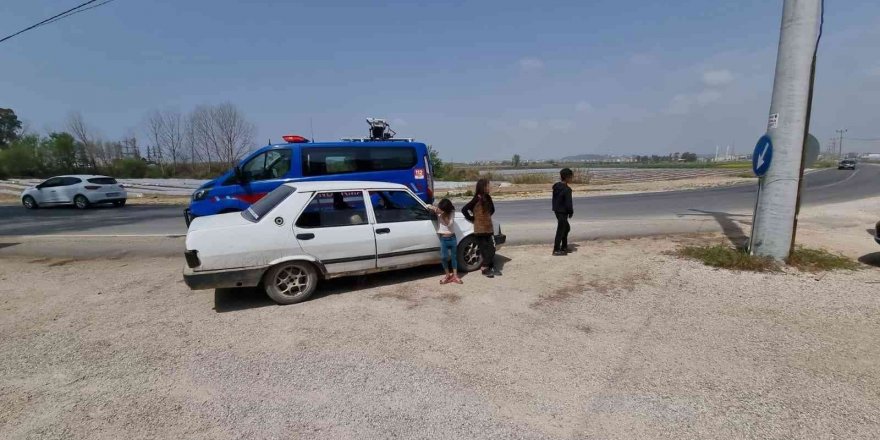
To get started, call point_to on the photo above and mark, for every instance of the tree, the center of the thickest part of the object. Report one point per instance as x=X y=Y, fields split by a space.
x=10 y=127
x=516 y=160
x=437 y=166
x=689 y=157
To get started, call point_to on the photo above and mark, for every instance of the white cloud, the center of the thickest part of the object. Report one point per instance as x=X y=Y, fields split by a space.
x=716 y=78
x=583 y=106
x=529 y=124
x=531 y=64
x=560 y=124
x=684 y=103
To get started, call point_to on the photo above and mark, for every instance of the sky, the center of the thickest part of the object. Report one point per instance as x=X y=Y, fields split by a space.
x=478 y=80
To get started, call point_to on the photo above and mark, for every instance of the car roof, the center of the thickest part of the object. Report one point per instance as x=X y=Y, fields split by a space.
x=343 y=185
x=83 y=176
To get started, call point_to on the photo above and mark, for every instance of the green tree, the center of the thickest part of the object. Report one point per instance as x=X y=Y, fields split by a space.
x=63 y=150
x=437 y=165
x=10 y=127
x=23 y=158
x=516 y=160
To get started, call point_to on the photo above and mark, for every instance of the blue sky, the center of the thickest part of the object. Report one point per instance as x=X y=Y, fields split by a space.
x=478 y=80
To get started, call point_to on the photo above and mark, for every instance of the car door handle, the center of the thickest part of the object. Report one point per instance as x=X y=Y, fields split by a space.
x=305 y=236
x=383 y=231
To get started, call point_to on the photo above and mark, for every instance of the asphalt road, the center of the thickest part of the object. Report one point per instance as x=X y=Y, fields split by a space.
x=824 y=186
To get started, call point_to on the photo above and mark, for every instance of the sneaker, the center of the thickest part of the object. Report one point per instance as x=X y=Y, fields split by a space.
x=446 y=280
x=496 y=272
x=488 y=273
x=559 y=253
x=457 y=280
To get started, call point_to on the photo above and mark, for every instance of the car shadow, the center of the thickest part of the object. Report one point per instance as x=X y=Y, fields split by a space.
x=872 y=259
x=233 y=300
x=871 y=231
x=729 y=223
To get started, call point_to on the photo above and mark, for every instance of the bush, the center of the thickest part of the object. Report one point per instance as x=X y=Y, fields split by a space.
x=814 y=260
x=131 y=168
x=727 y=257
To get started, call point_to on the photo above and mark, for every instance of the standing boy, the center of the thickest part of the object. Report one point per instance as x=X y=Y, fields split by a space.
x=564 y=210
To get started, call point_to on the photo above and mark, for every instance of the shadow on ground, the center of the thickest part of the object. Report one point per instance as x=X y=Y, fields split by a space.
x=872 y=259
x=730 y=224
x=232 y=300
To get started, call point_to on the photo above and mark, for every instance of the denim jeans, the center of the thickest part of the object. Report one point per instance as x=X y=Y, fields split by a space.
x=448 y=250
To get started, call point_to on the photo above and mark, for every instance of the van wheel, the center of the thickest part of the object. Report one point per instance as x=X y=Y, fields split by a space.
x=469 y=256
x=291 y=282
x=81 y=202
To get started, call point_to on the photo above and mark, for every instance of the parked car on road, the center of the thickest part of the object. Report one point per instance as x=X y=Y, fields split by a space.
x=81 y=191
x=304 y=232
x=846 y=164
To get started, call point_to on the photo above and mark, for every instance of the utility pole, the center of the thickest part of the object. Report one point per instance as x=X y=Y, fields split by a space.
x=840 y=143
x=775 y=211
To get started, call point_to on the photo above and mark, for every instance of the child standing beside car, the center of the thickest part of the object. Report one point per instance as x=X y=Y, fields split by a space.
x=448 y=245
x=479 y=211
x=564 y=210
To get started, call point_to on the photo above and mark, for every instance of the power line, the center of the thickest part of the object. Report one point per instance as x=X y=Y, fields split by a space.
x=54 y=18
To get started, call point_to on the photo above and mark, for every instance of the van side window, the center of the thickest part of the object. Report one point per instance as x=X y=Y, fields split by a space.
x=324 y=161
x=272 y=164
x=331 y=209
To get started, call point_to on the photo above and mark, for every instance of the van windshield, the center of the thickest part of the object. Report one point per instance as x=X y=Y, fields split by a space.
x=263 y=206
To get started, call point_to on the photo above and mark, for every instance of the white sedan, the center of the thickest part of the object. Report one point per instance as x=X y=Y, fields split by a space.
x=304 y=232
x=79 y=190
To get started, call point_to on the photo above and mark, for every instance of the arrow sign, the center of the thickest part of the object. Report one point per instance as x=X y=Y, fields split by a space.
x=762 y=156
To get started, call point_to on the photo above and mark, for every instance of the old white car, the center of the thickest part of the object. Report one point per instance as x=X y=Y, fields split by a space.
x=304 y=232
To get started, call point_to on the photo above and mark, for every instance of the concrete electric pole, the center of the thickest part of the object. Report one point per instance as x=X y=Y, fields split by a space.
x=775 y=212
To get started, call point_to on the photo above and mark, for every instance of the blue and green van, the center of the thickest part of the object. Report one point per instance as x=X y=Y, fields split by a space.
x=390 y=160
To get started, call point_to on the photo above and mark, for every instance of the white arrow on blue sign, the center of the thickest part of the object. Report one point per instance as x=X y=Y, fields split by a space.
x=762 y=155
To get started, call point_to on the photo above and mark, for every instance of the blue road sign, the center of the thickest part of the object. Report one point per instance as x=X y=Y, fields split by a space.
x=762 y=155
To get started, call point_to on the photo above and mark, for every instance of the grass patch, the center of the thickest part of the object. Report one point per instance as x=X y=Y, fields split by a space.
x=727 y=257
x=804 y=259
x=532 y=178
x=816 y=260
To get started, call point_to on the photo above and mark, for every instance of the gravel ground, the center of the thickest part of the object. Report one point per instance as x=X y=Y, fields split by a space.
x=618 y=340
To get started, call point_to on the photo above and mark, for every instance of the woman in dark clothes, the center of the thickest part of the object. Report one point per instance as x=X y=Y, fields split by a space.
x=479 y=211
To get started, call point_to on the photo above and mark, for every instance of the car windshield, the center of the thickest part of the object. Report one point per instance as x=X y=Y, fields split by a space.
x=262 y=207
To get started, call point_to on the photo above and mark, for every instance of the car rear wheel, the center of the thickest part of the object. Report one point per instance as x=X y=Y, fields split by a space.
x=469 y=256
x=291 y=282
x=119 y=203
x=29 y=202
x=81 y=202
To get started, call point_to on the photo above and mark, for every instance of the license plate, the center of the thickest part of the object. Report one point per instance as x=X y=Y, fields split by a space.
x=112 y=194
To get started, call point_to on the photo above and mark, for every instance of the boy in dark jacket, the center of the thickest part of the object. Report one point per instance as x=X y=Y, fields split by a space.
x=564 y=210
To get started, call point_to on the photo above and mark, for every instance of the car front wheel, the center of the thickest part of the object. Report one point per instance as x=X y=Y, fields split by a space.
x=469 y=256
x=29 y=202
x=291 y=282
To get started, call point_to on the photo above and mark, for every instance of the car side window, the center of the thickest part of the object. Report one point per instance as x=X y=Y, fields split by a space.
x=333 y=209
x=397 y=206
x=67 y=181
x=53 y=182
x=272 y=164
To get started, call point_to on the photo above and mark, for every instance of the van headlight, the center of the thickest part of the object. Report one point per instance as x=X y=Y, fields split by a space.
x=200 y=194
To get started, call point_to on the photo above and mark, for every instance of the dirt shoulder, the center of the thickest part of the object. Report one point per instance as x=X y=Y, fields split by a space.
x=619 y=340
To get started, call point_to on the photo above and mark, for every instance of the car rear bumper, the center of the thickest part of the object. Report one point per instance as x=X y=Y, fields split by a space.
x=218 y=279
x=96 y=197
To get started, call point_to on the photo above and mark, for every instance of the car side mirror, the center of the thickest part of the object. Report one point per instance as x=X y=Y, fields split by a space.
x=239 y=175
x=40 y=186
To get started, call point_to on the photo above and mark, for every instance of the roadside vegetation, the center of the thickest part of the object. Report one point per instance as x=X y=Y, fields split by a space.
x=728 y=257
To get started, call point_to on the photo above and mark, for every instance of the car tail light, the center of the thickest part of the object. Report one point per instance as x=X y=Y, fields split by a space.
x=192 y=258
x=92 y=187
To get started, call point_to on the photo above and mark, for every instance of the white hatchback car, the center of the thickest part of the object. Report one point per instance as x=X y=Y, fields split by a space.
x=303 y=232
x=79 y=190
